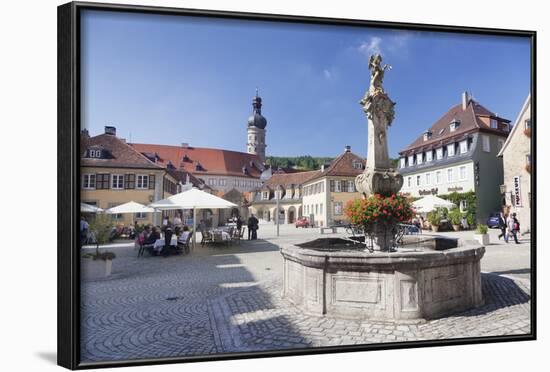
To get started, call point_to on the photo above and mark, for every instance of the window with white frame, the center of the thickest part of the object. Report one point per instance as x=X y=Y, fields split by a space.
x=428 y=179
x=411 y=160
x=142 y=181
x=527 y=123
x=500 y=143
x=494 y=124
x=351 y=186
x=462 y=173
x=117 y=181
x=439 y=153
x=419 y=158
x=451 y=149
x=464 y=146
x=463 y=205
x=450 y=175
x=418 y=182
x=265 y=195
x=403 y=162
x=338 y=208
x=95 y=153
x=88 y=181
x=429 y=156
x=223 y=182
x=486 y=141
x=438 y=177
x=337 y=186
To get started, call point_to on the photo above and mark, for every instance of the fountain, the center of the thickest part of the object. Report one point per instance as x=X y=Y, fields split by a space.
x=426 y=277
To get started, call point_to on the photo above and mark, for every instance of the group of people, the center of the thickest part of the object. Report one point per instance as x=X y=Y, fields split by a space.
x=151 y=234
x=509 y=226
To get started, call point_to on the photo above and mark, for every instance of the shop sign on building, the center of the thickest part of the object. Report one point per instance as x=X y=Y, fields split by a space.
x=516 y=195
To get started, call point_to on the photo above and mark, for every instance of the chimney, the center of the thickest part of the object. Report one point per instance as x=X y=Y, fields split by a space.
x=465 y=100
x=347 y=148
x=322 y=167
x=110 y=130
x=84 y=133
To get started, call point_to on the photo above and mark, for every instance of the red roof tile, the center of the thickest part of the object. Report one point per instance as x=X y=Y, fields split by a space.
x=119 y=153
x=211 y=161
x=342 y=166
x=287 y=179
x=470 y=121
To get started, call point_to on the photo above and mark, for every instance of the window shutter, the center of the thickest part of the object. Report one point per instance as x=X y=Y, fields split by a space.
x=332 y=186
x=129 y=181
x=151 y=181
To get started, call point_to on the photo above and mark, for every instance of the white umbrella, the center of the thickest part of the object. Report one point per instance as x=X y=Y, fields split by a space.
x=87 y=208
x=130 y=207
x=192 y=199
x=430 y=202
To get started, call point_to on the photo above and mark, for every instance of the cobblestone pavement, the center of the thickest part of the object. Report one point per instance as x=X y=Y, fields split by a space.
x=229 y=300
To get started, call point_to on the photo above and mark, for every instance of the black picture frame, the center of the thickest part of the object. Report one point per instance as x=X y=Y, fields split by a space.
x=69 y=109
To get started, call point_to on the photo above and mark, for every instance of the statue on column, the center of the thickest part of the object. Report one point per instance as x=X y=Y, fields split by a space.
x=379 y=177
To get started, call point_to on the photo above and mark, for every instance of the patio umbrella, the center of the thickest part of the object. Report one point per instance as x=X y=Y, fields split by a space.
x=87 y=208
x=192 y=199
x=430 y=202
x=130 y=207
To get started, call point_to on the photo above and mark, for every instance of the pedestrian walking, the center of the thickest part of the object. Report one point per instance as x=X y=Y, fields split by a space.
x=502 y=226
x=252 y=224
x=513 y=227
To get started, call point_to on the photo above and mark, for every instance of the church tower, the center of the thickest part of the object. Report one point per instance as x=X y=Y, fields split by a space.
x=256 y=129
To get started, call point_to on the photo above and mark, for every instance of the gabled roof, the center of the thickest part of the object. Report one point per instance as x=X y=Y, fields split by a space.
x=526 y=105
x=212 y=161
x=181 y=176
x=470 y=121
x=288 y=179
x=121 y=155
x=342 y=166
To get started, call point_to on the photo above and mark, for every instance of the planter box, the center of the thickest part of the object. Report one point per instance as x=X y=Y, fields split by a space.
x=95 y=269
x=482 y=239
x=435 y=228
x=456 y=227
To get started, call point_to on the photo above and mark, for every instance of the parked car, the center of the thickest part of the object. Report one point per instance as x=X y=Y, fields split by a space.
x=302 y=222
x=492 y=221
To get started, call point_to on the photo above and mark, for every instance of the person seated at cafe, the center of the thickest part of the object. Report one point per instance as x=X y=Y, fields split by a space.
x=184 y=234
x=153 y=236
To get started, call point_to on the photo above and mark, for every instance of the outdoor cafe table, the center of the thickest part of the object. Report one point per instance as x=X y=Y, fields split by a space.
x=157 y=246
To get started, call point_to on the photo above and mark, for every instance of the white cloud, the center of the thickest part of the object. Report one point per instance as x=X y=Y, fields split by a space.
x=371 y=46
x=395 y=44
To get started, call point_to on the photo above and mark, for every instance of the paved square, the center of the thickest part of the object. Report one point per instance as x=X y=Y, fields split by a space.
x=228 y=299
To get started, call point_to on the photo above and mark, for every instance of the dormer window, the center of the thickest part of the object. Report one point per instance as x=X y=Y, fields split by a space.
x=427 y=135
x=451 y=149
x=429 y=156
x=494 y=124
x=411 y=160
x=357 y=164
x=403 y=162
x=419 y=158
x=198 y=167
x=186 y=158
x=527 y=123
x=245 y=170
x=454 y=125
x=439 y=153
x=94 y=153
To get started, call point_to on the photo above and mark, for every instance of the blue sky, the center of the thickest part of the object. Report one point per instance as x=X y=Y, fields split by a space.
x=167 y=80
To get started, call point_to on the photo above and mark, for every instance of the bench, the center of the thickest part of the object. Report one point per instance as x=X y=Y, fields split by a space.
x=332 y=229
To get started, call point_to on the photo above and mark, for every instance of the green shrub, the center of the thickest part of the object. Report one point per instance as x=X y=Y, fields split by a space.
x=101 y=228
x=434 y=218
x=456 y=216
x=482 y=229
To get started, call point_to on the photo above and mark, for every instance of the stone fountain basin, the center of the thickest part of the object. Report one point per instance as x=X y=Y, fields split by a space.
x=405 y=286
